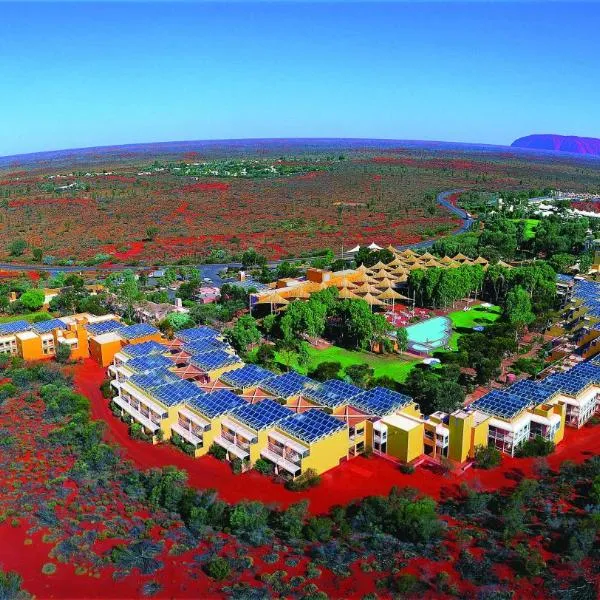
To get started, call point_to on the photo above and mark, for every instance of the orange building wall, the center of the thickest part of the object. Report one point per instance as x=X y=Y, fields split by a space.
x=30 y=349
x=103 y=354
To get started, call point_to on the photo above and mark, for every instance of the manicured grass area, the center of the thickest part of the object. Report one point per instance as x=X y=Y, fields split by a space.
x=530 y=227
x=393 y=365
x=476 y=316
x=31 y=317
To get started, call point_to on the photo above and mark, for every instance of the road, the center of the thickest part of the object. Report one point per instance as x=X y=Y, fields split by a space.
x=212 y=271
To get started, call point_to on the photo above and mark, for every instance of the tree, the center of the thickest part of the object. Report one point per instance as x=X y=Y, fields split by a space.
x=402 y=338
x=517 y=308
x=251 y=258
x=360 y=375
x=17 y=247
x=487 y=457
x=37 y=254
x=326 y=370
x=265 y=355
x=244 y=333
x=304 y=318
x=63 y=353
x=33 y=299
x=435 y=390
x=177 y=321
x=218 y=568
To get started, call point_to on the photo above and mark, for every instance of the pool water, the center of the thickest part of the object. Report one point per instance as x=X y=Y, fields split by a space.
x=430 y=334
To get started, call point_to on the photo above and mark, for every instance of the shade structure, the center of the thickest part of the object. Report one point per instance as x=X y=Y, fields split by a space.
x=346 y=294
x=360 y=277
x=431 y=263
x=501 y=263
x=273 y=299
x=384 y=284
x=299 y=292
x=313 y=286
x=353 y=250
x=378 y=265
x=372 y=301
x=459 y=257
x=391 y=294
x=345 y=283
x=381 y=274
x=365 y=288
x=480 y=261
x=392 y=249
x=408 y=252
x=427 y=256
x=374 y=246
x=362 y=268
x=399 y=271
x=446 y=260
x=397 y=262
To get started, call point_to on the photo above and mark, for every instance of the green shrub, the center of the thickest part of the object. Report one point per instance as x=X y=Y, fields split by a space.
x=218 y=452
x=217 y=568
x=264 y=466
x=407 y=469
x=537 y=446
x=487 y=457
x=308 y=479
x=106 y=389
x=49 y=569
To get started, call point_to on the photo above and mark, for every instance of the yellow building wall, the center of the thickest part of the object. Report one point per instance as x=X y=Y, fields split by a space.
x=405 y=445
x=30 y=349
x=459 y=438
x=479 y=436
x=411 y=410
x=326 y=453
x=561 y=410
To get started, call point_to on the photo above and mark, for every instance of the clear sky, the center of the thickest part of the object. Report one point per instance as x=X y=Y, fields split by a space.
x=87 y=74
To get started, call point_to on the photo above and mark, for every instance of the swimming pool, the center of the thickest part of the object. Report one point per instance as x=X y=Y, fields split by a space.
x=429 y=335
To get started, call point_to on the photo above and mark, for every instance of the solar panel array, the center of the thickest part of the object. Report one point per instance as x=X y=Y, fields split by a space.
x=574 y=380
x=49 y=325
x=14 y=327
x=214 y=360
x=262 y=414
x=380 y=401
x=144 y=364
x=287 y=385
x=588 y=292
x=311 y=425
x=501 y=403
x=104 y=327
x=202 y=345
x=332 y=393
x=152 y=379
x=197 y=333
x=143 y=349
x=247 y=376
x=216 y=403
x=137 y=331
x=172 y=394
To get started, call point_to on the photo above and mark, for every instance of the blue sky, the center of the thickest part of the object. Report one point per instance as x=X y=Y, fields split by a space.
x=86 y=74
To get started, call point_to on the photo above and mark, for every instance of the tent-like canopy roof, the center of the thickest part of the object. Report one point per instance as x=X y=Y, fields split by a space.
x=372 y=301
x=353 y=250
x=273 y=299
x=391 y=294
x=374 y=246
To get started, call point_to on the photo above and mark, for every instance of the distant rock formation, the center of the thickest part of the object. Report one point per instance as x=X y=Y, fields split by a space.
x=559 y=143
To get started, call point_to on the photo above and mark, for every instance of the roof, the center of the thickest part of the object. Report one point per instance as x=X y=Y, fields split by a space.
x=175 y=393
x=311 y=426
x=380 y=401
x=214 y=360
x=103 y=326
x=14 y=327
x=153 y=379
x=143 y=364
x=106 y=338
x=332 y=393
x=26 y=335
x=49 y=325
x=197 y=333
x=143 y=349
x=262 y=414
x=286 y=385
x=137 y=331
x=202 y=345
x=247 y=376
x=215 y=404
x=401 y=422
x=503 y=404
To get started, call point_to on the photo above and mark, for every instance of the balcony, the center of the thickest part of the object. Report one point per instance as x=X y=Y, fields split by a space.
x=186 y=435
x=288 y=444
x=280 y=461
x=136 y=414
x=230 y=447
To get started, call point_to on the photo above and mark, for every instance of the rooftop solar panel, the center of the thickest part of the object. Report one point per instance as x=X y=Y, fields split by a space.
x=143 y=364
x=332 y=393
x=137 y=331
x=103 y=327
x=197 y=333
x=49 y=325
x=311 y=426
x=176 y=393
x=247 y=376
x=14 y=327
x=202 y=345
x=502 y=404
x=214 y=360
x=143 y=349
x=262 y=414
x=152 y=379
x=287 y=385
x=380 y=401
x=216 y=403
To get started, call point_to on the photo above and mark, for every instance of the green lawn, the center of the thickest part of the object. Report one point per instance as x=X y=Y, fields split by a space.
x=394 y=366
x=530 y=227
x=467 y=319
x=31 y=317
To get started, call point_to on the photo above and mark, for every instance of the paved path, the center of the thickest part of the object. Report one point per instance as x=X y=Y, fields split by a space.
x=212 y=271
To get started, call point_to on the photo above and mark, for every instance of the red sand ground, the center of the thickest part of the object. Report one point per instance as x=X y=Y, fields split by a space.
x=352 y=480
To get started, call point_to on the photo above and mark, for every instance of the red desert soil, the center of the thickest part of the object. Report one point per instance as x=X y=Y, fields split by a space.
x=352 y=480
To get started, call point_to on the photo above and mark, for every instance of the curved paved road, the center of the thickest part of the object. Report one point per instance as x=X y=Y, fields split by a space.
x=212 y=270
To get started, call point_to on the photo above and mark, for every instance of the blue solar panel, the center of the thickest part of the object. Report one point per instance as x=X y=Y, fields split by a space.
x=262 y=414
x=502 y=404
x=152 y=379
x=143 y=349
x=216 y=403
x=332 y=393
x=588 y=293
x=176 y=393
x=380 y=401
x=143 y=364
x=203 y=345
x=287 y=385
x=137 y=331
x=197 y=333
x=247 y=376
x=14 y=327
x=103 y=327
x=311 y=425
x=49 y=325
x=214 y=360
x=574 y=380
